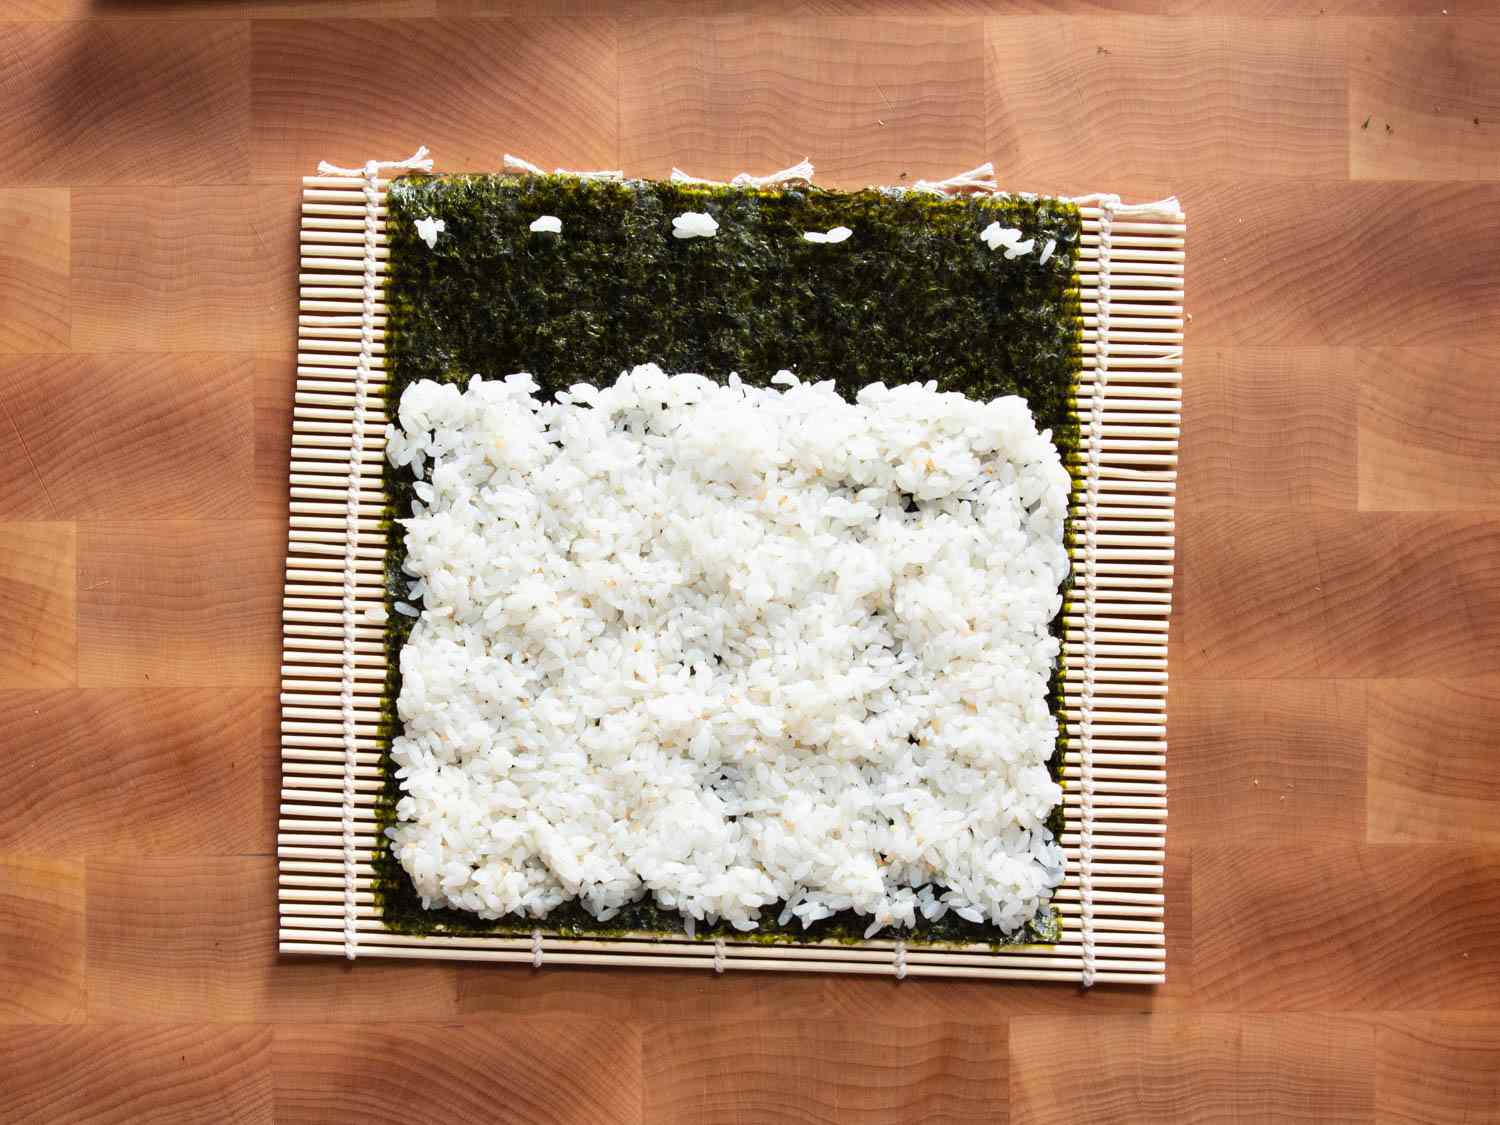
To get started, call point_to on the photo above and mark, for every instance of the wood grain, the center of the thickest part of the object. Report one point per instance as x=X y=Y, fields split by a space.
x=1158 y=1069
x=555 y=1072
x=1438 y=1067
x=178 y=269
x=148 y=436
x=471 y=90
x=494 y=992
x=1435 y=761
x=873 y=101
x=760 y=1070
x=169 y=771
x=42 y=914
x=38 y=615
x=172 y=940
x=519 y=8
x=1424 y=99
x=419 y=11
x=1345 y=928
x=275 y=383
x=1140 y=105
x=34 y=269
x=1366 y=263
x=1270 y=428
x=278 y=210
x=193 y=940
x=1332 y=934
x=96 y=1075
x=1268 y=763
x=101 y=103
x=125 y=10
x=1331 y=594
x=179 y=603
x=1419 y=449
x=334 y=9
x=1266 y=9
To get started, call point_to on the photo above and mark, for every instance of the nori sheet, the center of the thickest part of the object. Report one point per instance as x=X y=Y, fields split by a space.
x=913 y=294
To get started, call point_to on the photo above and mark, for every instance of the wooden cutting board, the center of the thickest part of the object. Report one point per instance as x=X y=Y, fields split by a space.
x=1333 y=896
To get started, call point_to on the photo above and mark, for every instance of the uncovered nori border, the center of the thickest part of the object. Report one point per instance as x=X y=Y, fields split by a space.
x=913 y=294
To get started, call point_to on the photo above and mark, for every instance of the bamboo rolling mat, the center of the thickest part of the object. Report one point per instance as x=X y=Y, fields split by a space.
x=1114 y=775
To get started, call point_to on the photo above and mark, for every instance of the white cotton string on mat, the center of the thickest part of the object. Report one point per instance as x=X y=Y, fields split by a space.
x=371 y=173
x=515 y=163
x=799 y=173
x=606 y=174
x=1167 y=208
x=898 y=960
x=1091 y=536
x=718 y=955
x=980 y=179
x=418 y=161
x=536 y=949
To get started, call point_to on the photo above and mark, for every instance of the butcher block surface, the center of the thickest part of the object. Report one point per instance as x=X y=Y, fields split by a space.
x=1333 y=855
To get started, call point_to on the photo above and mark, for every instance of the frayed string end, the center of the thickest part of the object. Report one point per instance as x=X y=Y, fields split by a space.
x=680 y=177
x=418 y=161
x=801 y=172
x=981 y=178
x=606 y=174
x=516 y=164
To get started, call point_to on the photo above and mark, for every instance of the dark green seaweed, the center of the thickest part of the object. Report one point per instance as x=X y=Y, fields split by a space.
x=913 y=294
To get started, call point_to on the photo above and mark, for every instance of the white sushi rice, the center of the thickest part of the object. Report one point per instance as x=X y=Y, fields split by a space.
x=729 y=647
